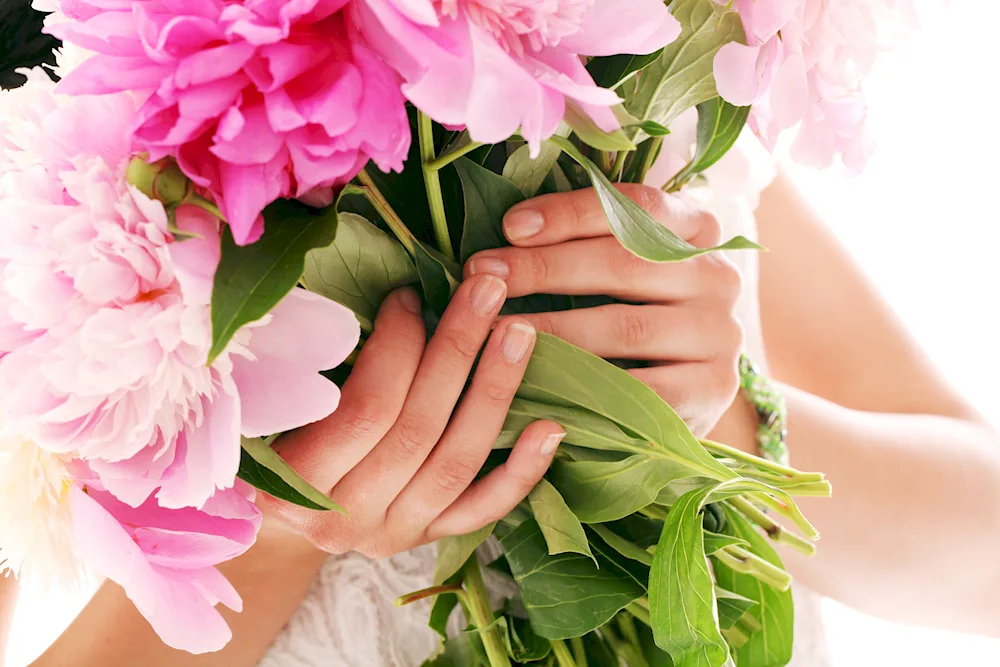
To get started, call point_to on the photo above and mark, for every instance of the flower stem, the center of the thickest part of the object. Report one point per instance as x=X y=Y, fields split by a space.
x=440 y=163
x=563 y=657
x=482 y=614
x=649 y=157
x=381 y=204
x=433 y=591
x=579 y=652
x=777 y=468
x=619 y=166
x=432 y=183
x=774 y=530
x=640 y=611
x=741 y=560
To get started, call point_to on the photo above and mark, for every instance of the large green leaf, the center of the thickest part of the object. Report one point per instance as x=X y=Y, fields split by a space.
x=562 y=374
x=622 y=545
x=772 y=645
x=731 y=607
x=454 y=551
x=682 y=593
x=487 y=197
x=568 y=595
x=562 y=530
x=719 y=126
x=443 y=605
x=360 y=267
x=612 y=71
x=438 y=276
x=682 y=76
x=252 y=279
x=634 y=227
x=583 y=428
x=601 y=491
x=523 y=645
x=528 y=174
x=589 y=133
x=261 y=467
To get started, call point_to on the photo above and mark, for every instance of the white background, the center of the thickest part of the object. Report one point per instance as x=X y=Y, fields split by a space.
x=924 y=222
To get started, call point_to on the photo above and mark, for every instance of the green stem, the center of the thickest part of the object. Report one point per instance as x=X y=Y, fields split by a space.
x=381 y=204
x=619 y=166
x=788 y=511
x=433 y=591
x=741 y=560
x=604 y=162
x=579 y=652
x=482 y=614
x=649 y=157
x=432 y=182
x=640 y=612
x=777 y=468
x=440 y=163
x=563 y=657
x=774 y=530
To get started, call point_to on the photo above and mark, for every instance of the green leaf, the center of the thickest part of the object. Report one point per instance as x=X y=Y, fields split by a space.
x=731 y=607
x=717 y=542
x=682 y=76
x=589 y=133
x=583 y=428
x=360 y=267
x=529 y=174
x=261 y=467
x=772 y=645
x=437 y=276
x=682 y=593
x=441 y=610
x=252 y=279
x=634 y=227
x=561 y=374
x=562 y=530
x=653 y=129
x=463 y=650
x=487 y=197
x=567 y=595
x=719 y=126
x=622 y=545
x=454 y=551
x=612 y=71
x=523 y=644
x=601 y=491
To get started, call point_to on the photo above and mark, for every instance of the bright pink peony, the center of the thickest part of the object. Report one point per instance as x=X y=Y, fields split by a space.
x=804 y=62
x=165 y=559
x=256 y=99
x=497 y=66
x=105 y=320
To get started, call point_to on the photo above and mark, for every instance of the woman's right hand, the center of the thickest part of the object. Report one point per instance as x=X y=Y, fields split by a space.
x=402 y=452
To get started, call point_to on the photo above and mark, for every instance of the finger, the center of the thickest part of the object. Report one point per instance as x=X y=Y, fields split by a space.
x=371 y=399
x=439 y=382
x=603 y=266
x=650 y=333
x=496 y=495
x=469 y=438
x=698 y=392
x=567 y=216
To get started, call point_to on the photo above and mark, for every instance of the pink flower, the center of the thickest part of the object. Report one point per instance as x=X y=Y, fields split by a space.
x=165 y=559
x=803 y=64
x=105 y=320
x=256 y=99
x=497 y=66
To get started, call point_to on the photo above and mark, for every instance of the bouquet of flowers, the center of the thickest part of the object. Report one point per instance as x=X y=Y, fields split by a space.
x=202 y=218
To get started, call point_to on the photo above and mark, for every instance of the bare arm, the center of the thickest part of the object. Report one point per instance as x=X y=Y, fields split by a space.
x=913 y=530
x=8 y=600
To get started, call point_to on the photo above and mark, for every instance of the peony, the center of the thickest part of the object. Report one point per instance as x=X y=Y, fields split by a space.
x=803 y=63
x=165 y=559
x=105 y=319
x=497 y=66
x=256 y=99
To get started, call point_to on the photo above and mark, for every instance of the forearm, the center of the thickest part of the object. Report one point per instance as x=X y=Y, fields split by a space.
x=273 y=578
x=912 y=532
x=8 y=600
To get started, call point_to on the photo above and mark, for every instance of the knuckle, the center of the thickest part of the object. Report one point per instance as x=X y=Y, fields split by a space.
x=709 y=228
x=366 y=415
x=727 y=379
x=538 y=268
x=523 y=479
x=633 y=327
x=326 y=538
x=455 y=475
x=460 y=343
x=499 y=392
x=412 y=437
x=626 y=267
x=653 y=201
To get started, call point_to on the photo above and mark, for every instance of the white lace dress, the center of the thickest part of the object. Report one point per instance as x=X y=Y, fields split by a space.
x=349 y=619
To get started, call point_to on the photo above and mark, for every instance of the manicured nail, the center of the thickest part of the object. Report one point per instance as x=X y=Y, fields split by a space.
x=522 y=224
x=487 y=294
x=491 y=265
x=517 y=341
x=551 y=442
x=408 y=297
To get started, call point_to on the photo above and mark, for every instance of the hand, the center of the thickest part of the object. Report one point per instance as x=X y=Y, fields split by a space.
x=679 y=317
x=398 y=454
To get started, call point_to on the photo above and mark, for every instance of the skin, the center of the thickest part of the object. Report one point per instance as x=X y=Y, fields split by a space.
x=934 y=519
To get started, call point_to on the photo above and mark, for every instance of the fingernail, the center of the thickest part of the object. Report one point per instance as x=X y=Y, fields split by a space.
x=487 y=294
x=491 y=265
x=522 y=224
x=408 y=297
x=551 y=442
x=517 y=341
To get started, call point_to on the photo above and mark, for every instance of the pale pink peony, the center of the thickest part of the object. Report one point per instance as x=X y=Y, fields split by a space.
x=497 y=66
x=165 y=559
x=105 y=320
x=803 y=64
x=256 y=99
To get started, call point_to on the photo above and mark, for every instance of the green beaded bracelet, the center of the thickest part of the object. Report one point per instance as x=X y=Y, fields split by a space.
x=772 y=414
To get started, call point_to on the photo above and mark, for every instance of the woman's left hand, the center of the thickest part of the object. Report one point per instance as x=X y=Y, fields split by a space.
x=678 y=317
